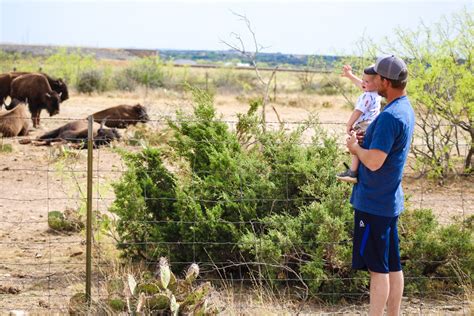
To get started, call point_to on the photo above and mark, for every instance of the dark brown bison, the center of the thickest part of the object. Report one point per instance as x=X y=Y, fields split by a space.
x=36 y=91
x=15 y=122
x=5 y=85
x=57 y=85
x=6 y=79
x=77 y=132
x=121 y=116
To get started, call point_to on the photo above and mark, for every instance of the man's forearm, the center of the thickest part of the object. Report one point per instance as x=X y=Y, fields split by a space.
x=373 y=159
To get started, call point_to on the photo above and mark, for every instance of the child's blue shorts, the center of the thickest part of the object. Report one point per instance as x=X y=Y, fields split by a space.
x=375 y=246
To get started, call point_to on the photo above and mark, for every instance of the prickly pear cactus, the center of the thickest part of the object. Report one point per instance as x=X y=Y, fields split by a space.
x=163 y=293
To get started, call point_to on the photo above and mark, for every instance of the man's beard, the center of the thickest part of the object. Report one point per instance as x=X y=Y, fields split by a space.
x=382 y=93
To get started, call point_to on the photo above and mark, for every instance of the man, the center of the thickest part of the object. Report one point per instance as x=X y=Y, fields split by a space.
x=377 y=198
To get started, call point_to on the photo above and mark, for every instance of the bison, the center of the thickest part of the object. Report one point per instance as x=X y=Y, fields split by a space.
x=57 y=85
x=121 y=116
x=36 y=91
x=77 y=132
x=5 y=85
x=15 y=122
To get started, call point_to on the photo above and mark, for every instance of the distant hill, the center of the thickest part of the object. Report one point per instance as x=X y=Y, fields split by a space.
x=270 y=59
x=184 y=56
x=99 y=53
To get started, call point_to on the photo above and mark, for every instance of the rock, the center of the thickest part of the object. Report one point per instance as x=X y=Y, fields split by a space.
x=75 y=254
x=43 y=304
x=8 y=290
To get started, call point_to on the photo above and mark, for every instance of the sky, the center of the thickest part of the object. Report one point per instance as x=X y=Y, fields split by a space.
x=295 y=27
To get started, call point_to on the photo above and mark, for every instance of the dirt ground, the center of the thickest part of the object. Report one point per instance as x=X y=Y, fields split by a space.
x=40 y=269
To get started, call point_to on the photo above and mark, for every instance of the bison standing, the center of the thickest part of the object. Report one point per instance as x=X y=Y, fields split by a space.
x=36 y=91
x=15 y=122
x=57 y=85
x=5 y=85
x=6 y=79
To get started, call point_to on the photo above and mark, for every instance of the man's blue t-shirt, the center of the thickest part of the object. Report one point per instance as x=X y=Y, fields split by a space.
x=380 y=192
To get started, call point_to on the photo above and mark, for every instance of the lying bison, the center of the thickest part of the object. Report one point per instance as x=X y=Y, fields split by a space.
x=77 y=132
x=15 y=122
x=121 y=116
x=36 y=91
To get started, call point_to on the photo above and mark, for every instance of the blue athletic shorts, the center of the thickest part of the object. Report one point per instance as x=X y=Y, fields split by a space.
x=375 y=245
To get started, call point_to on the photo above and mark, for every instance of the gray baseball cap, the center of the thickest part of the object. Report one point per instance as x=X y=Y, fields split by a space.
x=390 y=67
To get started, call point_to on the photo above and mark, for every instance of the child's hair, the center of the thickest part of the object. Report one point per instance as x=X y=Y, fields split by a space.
x=369 y=71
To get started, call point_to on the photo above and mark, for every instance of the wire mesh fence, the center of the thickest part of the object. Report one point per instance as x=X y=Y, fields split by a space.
x=41 y=269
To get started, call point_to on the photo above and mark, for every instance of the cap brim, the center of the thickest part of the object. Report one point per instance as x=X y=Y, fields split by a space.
x=370 y=70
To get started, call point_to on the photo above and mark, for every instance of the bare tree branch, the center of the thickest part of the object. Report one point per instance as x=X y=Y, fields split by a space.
x=253 y=60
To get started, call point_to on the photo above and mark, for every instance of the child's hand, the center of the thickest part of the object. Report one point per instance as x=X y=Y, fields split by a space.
x=346 y=71
x=360 y=136
x=349 y=130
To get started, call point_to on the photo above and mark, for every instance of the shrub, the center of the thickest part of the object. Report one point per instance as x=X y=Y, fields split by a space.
x=89 y=81
x=328 y=85
x=147 y=71
x=231 y=80
x=222 y=185
x=124 y=80
x=68 y=65
x=437 y=259
x=144 y=201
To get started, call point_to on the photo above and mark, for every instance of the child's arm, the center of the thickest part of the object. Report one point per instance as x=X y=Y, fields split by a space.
x=355 y=115
x=347 y=72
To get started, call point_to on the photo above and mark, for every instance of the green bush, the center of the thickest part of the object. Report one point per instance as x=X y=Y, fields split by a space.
x=328 y=85
x=222 y=187
x=437 y=259
x=124 y=80
x=232 y=80
x=89 y=81
x=68 y=65
x=144 y=201
x=147 y=71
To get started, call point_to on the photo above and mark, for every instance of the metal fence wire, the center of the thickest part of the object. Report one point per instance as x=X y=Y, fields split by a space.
x=41 y=269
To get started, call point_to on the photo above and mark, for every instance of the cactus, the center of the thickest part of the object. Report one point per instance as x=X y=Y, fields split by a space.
x=67 y=221
x=192 y=273
x=164 y=272
x=163 y=293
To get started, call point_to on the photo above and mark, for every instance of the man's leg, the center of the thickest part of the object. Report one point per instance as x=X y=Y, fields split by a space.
x=396 y=274
x=396 y=292
x=379 y=292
